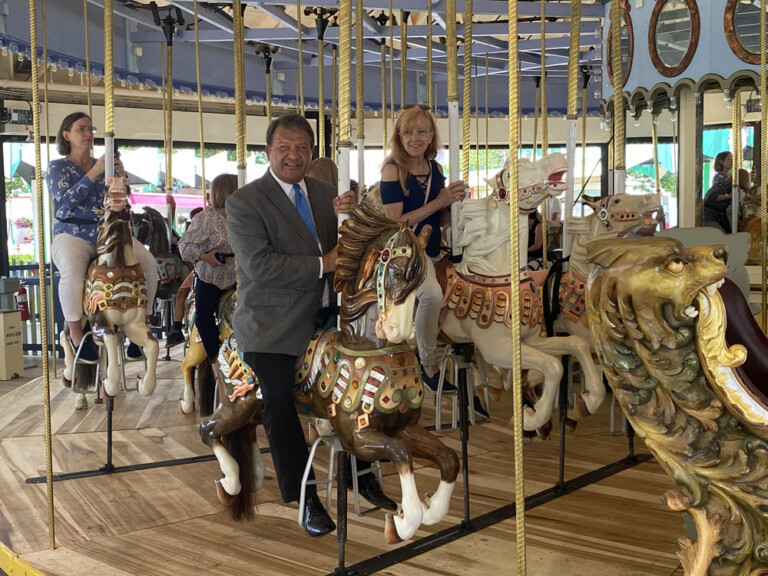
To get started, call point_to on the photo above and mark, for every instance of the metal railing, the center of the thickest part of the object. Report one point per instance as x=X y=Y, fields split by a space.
x=32 y=328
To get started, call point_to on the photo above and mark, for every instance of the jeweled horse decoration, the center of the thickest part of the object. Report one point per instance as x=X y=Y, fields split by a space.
x=617 y=216
x=152 y=229
x=364 y=378
x=476 y=306
x=115 y=293
x=195 y=357
x=689 y=367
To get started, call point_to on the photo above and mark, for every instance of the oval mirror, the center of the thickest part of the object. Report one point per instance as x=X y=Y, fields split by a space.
x=742 y=29
x=673 y=35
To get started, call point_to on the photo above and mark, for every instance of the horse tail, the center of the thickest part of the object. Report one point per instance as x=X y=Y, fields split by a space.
x=239 y=444
x=85 y=373
x=207 y=394
x=552 y=294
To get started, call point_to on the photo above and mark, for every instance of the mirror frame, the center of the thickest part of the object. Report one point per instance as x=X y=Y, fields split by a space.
x=733 y=38
x=627 y=20
x=661 y=67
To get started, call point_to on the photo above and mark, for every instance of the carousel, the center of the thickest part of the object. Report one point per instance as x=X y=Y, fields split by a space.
x=609 y=416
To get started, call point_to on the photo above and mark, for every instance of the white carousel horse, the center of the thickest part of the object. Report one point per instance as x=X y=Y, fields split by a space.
x=363 y=378
x=116 y=294
x=476 y=304
x=617 y=216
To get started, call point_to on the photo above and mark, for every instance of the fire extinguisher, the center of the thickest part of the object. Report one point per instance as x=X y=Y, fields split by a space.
x=21 y=303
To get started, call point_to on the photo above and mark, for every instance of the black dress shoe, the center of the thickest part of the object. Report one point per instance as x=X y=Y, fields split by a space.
x=316 y=522
x=174 y=338
x=478 y=405
x=88 y=351
x=368 y=487
x=434 y=380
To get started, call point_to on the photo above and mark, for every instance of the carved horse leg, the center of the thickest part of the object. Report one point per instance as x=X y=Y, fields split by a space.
x=67 y=375
x=140 y=335
x=192 y=359
x=113 y=380
x=533 y=358
x=590 y=400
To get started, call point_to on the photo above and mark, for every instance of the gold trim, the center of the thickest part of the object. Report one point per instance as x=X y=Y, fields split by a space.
x=11 y=563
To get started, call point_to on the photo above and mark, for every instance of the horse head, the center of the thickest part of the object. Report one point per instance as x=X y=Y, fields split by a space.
x=116 y=198
x=380 y=262
x=625 y=215
x=114 y=238
x=537 y=181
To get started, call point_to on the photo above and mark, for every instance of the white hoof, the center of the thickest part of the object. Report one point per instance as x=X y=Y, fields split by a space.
x=81 y=402
x=186 y=406
x=146 y=388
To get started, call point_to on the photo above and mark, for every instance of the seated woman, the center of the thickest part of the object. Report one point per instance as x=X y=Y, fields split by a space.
x=205 y=243
x=723 y=165
x=176 y=336
x=76 y=184
x=718 y=202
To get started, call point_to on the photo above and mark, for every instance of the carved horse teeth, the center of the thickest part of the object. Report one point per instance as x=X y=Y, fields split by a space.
x=712 y=288
x=691 y=312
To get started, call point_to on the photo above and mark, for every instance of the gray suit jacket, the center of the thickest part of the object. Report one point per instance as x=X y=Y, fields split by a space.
x=279 y=291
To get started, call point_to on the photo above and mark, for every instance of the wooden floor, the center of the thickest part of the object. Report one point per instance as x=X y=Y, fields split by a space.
x=167 y=521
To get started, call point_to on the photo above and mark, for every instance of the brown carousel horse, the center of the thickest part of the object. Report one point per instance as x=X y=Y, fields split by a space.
x=152 y=229
x=116 y=294
x=364 y=378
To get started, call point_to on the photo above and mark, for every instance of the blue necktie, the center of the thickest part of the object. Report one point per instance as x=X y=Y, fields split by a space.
x=304 y=211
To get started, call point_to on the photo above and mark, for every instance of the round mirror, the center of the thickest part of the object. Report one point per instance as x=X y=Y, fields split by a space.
x=627 y=47
x=742 y=29
x=673 y=35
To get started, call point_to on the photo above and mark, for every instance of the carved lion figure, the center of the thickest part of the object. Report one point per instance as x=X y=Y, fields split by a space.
x=658 y=322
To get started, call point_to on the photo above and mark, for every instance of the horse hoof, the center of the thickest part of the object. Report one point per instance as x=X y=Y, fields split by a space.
x=223 y=496
x=571 y=424
x=390 y=532
x=66 y=382
x=580 y=409
x=181 y=408
x=544 y=431
x=83 y=406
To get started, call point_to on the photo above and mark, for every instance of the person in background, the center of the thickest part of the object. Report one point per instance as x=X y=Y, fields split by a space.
x=283 y=228
x=176 y=336
x=76 y=184
x=719 y=199
x=535 y=241
x=324 y=169
x=723 y=166
x=205 y=243
x=413 y=190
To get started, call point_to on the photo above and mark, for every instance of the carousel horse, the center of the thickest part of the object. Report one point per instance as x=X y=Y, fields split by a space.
x=688 y=365
x=364 y=377
x=476 y=305
x=195 y=357
x=152 y=229
x=115 y=295
x=617 y=216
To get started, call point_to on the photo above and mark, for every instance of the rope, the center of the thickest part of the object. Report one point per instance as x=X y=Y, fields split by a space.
x=384 y=96
x=736 y=127
x=573 y=61
x=360 y=93
x=87 y=58
x=345 y=81
x=450 y=51
x=321 y=85
x=391 y=63
x=301 y=59
x=237 y=35
x=537 y=79
x=487 y=116
x=466 y=83
x=109 y=72
x=764 y=168
x=403 y=56
x=618 y=86
x=200 y=103
x=40 y=239
x=429 y=56
x=169 y=124
x=514 y=245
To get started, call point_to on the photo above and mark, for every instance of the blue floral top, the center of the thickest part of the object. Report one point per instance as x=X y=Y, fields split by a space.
x=74 y=198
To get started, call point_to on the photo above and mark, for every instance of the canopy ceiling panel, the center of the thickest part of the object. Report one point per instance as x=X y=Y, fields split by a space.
x=272 y=27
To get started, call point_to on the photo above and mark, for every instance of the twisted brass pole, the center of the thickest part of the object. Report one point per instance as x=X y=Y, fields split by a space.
x=764 y=169
x=360 y=94
x=301 y=59
x=169 y=124
x=545 y=131
x=737 y=159
x=391 y=63
x=467 y=95
x=321 y=84
x=403 y=56
x=239 y=56
x=618 y=98
x=87 y=59
x=199 y=102
x=40 y=239
x=384 y=97
x=514 y=305
x=429 y=56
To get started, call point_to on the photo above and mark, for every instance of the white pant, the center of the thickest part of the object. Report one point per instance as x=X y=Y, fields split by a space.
x=72 y=256
x=430 y=299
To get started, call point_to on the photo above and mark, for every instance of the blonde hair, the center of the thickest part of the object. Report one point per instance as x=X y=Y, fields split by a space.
x=324 y=169
x=407 y=120
x=222 y=188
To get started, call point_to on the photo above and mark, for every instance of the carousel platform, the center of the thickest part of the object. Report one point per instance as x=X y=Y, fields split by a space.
x=167 y=521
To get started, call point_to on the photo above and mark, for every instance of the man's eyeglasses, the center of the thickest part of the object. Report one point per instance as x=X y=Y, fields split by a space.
x=84 y=129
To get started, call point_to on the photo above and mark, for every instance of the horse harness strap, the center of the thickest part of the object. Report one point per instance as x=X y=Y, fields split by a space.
x=387 y=380
x=117 y=288
x=501 y=193
x=572 y=291
x=382 y=263
x=486 y=299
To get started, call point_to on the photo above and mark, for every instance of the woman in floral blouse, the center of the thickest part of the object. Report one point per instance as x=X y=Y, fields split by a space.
x=205 y=243
x=76 y=183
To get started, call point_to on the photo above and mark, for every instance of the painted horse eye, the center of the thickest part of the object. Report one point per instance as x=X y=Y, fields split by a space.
x=676 y=266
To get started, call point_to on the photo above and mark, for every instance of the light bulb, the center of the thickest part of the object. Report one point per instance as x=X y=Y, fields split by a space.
x=649 y=107
x=141 y=86
x=54 y=68
x=637 y=120
x=673 y=115
x=597 y=93
x=673 y=103
x=727 y=98
x=5 y=51
x=21 y=57
x=656 y=119
x=122 y=83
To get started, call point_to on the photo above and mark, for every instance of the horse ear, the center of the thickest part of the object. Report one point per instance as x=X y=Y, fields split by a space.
x=424 y=235
x=367 y=268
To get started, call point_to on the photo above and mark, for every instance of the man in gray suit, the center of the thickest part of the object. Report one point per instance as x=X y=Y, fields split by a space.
x=283 y=230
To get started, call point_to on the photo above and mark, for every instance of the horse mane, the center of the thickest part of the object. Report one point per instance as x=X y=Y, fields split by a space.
x=474 y=233
x=114 y=233
x=357 y=256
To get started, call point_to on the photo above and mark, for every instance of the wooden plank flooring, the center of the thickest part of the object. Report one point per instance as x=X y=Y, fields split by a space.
x=167 y=521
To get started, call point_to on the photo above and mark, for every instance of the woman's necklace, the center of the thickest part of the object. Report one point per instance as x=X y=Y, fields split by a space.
x=84 y=164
